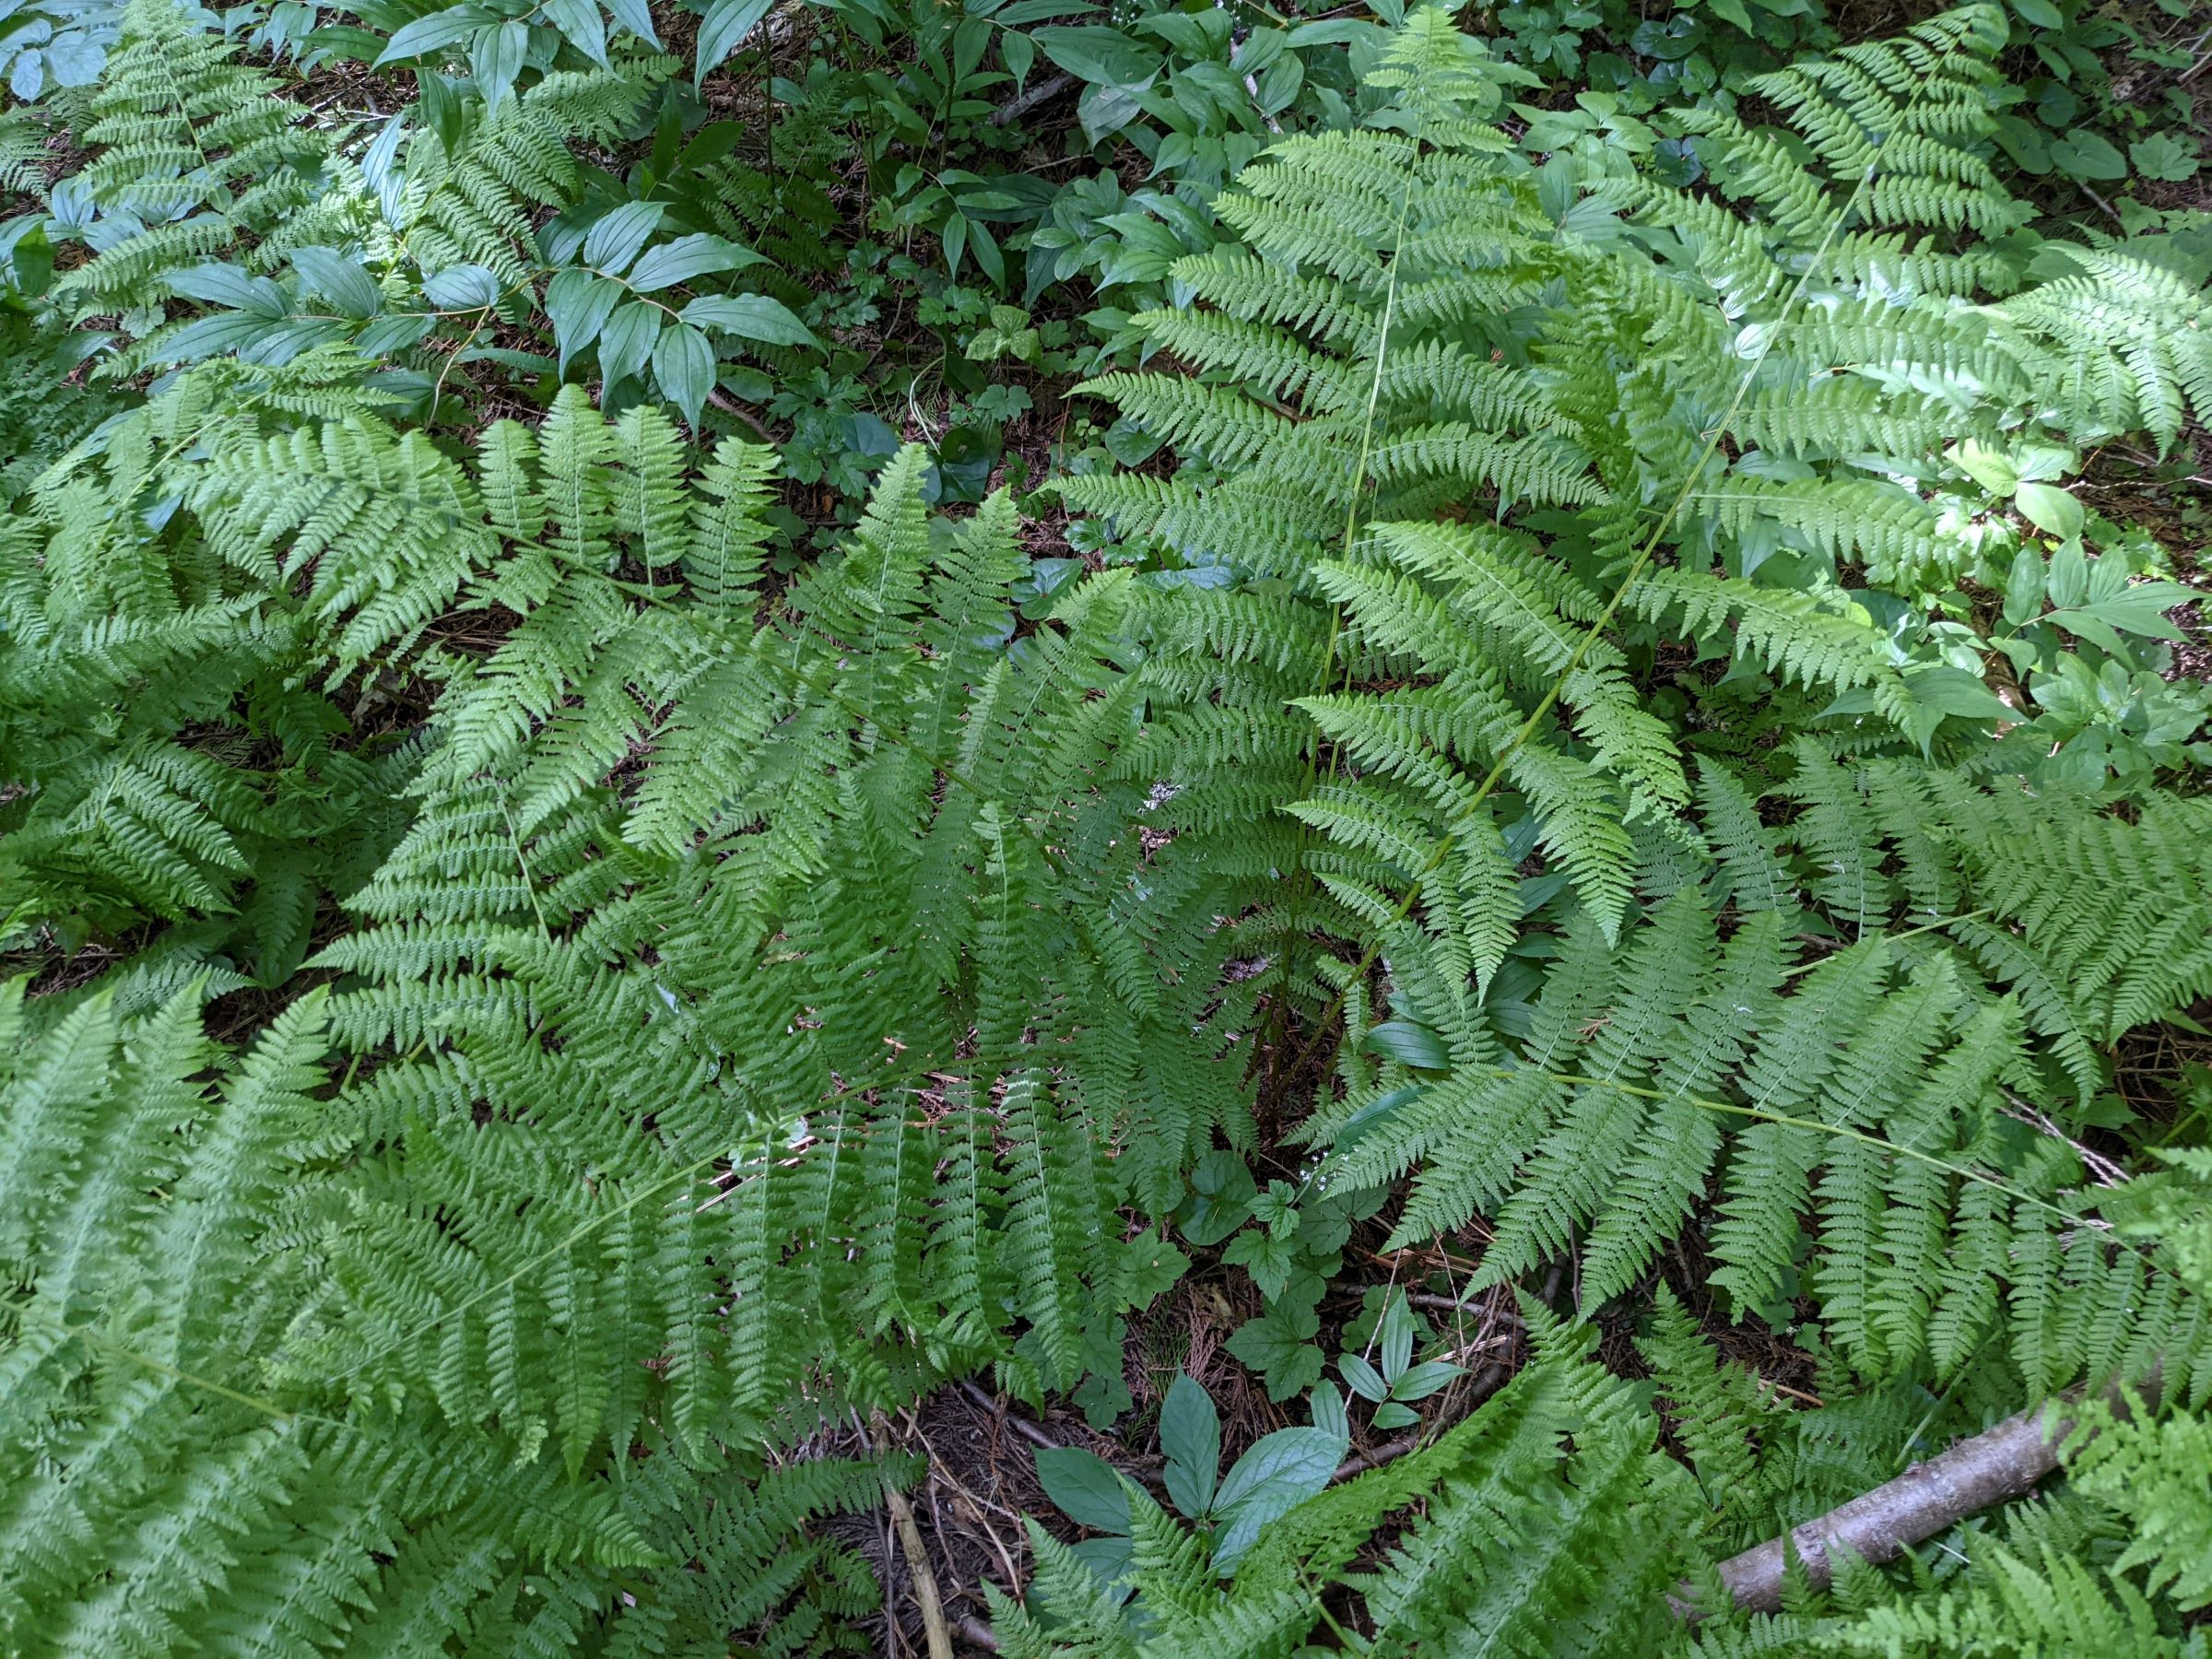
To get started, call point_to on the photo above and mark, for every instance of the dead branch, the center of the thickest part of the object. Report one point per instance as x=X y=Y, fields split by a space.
x=1361 y=1462
x=1043 y=92
x=1996 y=1465
x=922 y=1577
x=1020 y=1425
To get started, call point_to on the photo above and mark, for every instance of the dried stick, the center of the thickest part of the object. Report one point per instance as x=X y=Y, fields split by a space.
x=918 y=1569
x=1994 y=1465
x=1043 y=92
x=1020 y=1425
x=1359 y=1463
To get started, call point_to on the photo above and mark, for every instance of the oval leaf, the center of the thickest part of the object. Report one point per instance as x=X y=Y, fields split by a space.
x=425 y=35
x=751 y=317
x=2051 y=509
x=1085 y=1487
x=614 y=239
x=683 y=364
x=689 y=256
x=627 y=342
x=1190 y=1433
x=727 y=24
x=340 y=279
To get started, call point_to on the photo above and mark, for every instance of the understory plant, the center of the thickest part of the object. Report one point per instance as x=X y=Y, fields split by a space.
x=636 y=835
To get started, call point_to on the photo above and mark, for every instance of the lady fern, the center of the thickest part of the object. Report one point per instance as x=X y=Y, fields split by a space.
x=197 y=154
x=755 y=984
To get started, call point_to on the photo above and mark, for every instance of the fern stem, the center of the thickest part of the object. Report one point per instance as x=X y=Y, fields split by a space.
x=583 y=1229
x=1790 y=973
x=268 y=1408
x=1351 y=506
x=1841 y=1131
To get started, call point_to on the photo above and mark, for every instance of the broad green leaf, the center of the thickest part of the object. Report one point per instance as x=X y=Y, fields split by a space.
x=442 y=28
x=2068 y=577
x=1111 y=1558
x=228 y=286
x=2051 y=509
x=1421 y=1381
x=1993 y=469
x=1279 y=1346
x=580 y=24
x=1037 y=11
x=1280 y=1471
x=689 y=256
x=1396 y=1333
x=1221 y=1194
x=462 y=288
x=614 y=240
x=1289 y=1459
x=1092 y=52
x=1190 y=1433
x=1409 y=1045
x=578 y=305
x=750 y=317
x=1104 y=110
x=1085 y=1487
x=683 y=364
x=637 y=16
x=1269 y=1260
x=495 y=57
x=627 y=341
x=727 y=24
x=395 y=331
x=75 y=59
x=340 y=279
x=2165 y=157
x=214 y=336
x=2138 y=608
x=2024 y=588
x=2082 y=154
x=1362 y=1378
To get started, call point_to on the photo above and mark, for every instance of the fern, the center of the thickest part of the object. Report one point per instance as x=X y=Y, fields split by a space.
x=168 y=763
x=556 y=906
x=197 y=154
x=1602 y=1125
x=154 y=1500
x=1546 y=710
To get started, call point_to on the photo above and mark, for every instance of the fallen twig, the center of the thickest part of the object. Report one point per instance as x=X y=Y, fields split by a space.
x=1022 y=1426
x=2103 y=1171
x=1994 y=1465
x=1361 y=1462
x=920 y=1574
x=718 y=400
x=1021 y=103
